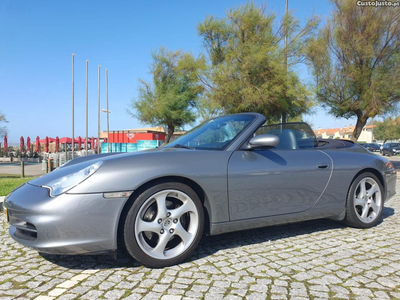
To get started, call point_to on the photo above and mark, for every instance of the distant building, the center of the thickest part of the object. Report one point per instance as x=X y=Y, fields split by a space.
x=147 y=133
x=131 y=140
x=346 y=133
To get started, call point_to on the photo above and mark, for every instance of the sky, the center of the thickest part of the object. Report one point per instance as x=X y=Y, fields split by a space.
x=39 y=37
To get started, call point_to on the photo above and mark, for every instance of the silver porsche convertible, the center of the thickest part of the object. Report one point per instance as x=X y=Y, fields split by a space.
x=230 y=173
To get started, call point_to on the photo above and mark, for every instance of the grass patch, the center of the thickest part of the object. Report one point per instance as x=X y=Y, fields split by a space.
x=9 y=175
x=10 y=182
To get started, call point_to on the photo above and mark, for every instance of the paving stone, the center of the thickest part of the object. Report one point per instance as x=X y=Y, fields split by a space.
x=114 y=294
x=92 y=294
x=56 y=292
x=171 y=297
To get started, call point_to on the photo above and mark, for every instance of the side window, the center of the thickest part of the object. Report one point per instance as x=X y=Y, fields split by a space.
x=292 y=136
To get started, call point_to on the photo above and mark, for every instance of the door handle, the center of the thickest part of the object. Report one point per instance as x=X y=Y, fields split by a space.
x=323 y=165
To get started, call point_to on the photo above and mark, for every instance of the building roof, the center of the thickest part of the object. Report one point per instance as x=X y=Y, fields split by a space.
x=145 y=129
x=347 y=130
x=342 y=131
x=327 y=131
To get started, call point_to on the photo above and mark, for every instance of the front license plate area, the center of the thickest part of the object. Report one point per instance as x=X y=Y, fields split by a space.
x=6 y=213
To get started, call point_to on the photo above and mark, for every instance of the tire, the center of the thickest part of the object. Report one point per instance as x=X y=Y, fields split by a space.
x=164 y=225
x=365 y=201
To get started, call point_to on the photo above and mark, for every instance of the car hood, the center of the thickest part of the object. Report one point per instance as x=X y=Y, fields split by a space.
x=71 y=167
x=113 y=163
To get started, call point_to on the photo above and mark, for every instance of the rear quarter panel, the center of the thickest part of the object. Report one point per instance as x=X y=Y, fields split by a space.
x=347 y=163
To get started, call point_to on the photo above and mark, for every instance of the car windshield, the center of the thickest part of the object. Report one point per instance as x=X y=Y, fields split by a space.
x=214 y=134
x=395 y=145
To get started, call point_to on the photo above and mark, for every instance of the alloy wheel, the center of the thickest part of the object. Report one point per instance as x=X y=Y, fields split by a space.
x=367 y=200
x=166 y=224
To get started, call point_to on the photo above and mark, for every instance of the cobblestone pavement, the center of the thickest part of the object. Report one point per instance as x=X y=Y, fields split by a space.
x=310 y=260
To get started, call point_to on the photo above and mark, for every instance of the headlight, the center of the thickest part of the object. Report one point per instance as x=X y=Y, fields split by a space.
x=64 y=184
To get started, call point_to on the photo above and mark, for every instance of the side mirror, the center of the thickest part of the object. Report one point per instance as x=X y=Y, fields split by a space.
x=263 y=140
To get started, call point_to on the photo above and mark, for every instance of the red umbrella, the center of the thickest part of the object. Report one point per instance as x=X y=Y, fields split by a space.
x=5 y=144
x=21 y=144
x=37 y=144
x=57 y=144
x=79 y=143
x=92 y=143
x=46 y=144
x=28 y=144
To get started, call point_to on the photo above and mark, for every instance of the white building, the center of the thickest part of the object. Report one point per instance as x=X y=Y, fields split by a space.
x=346 y=133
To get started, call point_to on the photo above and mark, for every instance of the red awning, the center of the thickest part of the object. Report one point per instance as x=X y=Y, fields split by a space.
x=65 y=140
x=51 y=140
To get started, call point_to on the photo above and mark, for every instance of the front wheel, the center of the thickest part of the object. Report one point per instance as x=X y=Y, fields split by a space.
x=164 y=225
x=364 y=201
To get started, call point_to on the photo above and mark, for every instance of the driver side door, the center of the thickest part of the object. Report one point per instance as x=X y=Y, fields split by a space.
x=274 y=181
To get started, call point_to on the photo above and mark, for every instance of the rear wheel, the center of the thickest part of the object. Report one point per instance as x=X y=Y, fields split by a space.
x=364 y=201
x=164 y=225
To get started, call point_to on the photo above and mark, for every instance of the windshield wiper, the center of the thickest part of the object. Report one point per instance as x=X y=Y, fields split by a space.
x=182 y=146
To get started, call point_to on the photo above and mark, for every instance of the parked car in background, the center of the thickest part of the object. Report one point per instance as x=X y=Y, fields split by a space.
x=363 y=144
x=391 y=149
x=372 y=147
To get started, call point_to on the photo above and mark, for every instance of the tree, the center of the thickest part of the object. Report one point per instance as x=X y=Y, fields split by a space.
x=171 y=98
x=246 y=71
x=388 y=129
x=207 y=109
x=3 y=130
x=355 y=60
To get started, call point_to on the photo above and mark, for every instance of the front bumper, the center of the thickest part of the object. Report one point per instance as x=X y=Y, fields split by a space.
x=66 y=224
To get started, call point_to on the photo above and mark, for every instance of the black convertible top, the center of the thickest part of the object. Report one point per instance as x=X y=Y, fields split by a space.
x=334 y=144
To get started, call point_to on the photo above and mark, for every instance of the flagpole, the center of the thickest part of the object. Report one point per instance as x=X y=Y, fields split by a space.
x=73 y=120
x=87 y=108
x=98 y=114
x=108 y=118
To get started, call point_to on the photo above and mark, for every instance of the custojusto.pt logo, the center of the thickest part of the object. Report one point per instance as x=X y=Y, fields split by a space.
x=379 y=3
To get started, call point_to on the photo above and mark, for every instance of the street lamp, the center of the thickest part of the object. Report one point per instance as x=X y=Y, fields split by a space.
x=108 y=128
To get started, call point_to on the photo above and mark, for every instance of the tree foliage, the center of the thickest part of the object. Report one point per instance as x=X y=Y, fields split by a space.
x=3 y=129
x=170 y=100
x=355 y=59
x=388 y=129
x=247 y=71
